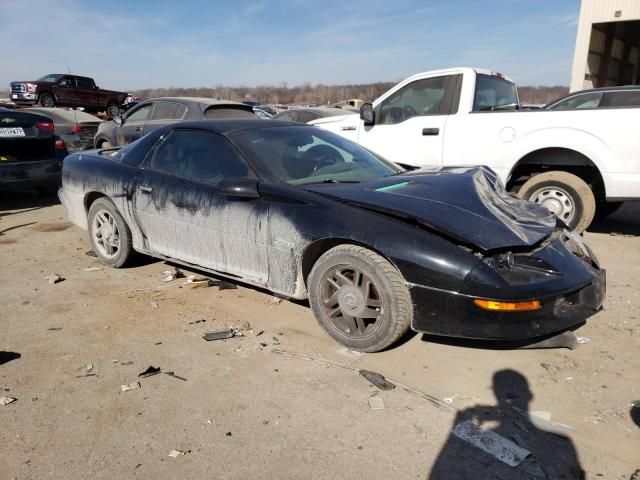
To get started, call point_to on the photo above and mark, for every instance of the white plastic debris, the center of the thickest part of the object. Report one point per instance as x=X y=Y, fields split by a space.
x=153 y=304
x=53 y=279
x=175 y=453
x=131 y=386
x=489 y=441
x=89 y=367
x=376 y=403
x=583 y=340
x=7 y=400
x=93 y=269
x=350 y=353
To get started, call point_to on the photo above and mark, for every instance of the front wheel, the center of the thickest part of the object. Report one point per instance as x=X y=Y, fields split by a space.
x=46 y=100
x=359 y=298
x=109 y=234
x=565 y=195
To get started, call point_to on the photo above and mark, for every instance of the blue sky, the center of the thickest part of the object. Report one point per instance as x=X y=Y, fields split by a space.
x=157 y=43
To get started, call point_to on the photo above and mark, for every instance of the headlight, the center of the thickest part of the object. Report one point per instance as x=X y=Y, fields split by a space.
x=31 y=87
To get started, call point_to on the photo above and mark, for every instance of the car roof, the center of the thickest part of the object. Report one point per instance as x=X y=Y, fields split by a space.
x=64 y=114
x=621 y=88
x=199 y=100
x=225 y=127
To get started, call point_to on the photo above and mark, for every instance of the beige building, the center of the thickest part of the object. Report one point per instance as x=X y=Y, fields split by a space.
x=607 y=45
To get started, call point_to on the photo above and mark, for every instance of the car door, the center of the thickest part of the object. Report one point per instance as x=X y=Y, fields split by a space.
x=182 y=214
x=87 y=93
x=410 y=122
x=132 y=127
x=65 y=90
x=164 y=113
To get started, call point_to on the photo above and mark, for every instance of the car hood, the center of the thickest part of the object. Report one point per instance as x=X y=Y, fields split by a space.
x=467 y=205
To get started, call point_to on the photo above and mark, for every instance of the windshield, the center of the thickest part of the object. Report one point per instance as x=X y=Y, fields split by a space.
x=494 y=93
x=49 y=78
x=304 y=155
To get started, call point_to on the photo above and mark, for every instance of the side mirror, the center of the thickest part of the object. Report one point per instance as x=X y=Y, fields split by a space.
x=118 y=119
x=240 y=187
x=367 y=114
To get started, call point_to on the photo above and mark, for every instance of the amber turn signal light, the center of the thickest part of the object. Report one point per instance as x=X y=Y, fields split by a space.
x=508 y=306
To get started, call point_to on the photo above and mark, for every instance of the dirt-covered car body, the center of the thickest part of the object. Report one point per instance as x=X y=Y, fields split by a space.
x=454 y=235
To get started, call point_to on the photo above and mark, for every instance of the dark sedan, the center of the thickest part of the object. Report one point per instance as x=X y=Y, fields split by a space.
x=30 y=153
x=74 y=127
x=308 y=214
x=308 y=114
x=605 y=97
x=148 y=115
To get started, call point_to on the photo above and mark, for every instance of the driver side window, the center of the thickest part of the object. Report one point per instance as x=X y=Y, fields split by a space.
x=419 y=98
x=141 y=114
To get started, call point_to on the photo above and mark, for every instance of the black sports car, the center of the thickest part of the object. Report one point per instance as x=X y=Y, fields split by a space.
x=308 y=214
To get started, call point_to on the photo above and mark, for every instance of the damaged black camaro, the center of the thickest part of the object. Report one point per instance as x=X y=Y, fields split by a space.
x=307 y=214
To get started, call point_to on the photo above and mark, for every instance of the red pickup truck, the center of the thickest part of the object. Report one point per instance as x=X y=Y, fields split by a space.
x=64 y=90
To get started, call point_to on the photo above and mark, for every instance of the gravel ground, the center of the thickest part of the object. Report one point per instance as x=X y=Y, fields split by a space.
x=282 y=401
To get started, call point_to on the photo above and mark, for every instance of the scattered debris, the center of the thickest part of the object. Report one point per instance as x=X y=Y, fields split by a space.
x=377 y=380
x=176 y=453
x=276 y=300
x=53 y=279
x=219 y=335
x=246 y=325
x=228 y=434
x=376 y=403
x=7 y=400
x=583 y=340
x=171 y=374
x=93 y=269
x=153 y=304
x=168 y=275
x=450 y=399
x=87 y=375
x=131 y=386
x=197 y=281
x=54 y=329
x=635 y=475
x=150 y=372
x=259 y=333
x=350 y=353
x=492 y=443
x=542 y=420
x=130 y=362
x=89 y=367
x=222 y=285
x=90 y=253
x=197 y=321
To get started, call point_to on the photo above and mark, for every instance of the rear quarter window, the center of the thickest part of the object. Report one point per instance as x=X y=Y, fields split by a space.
x=214 y=113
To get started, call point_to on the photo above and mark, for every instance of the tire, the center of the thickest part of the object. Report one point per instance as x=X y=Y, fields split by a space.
x=565 y=194
x=388 y=295
x=101 y=211
x=47 y=100
x=604 y=209
x=113 y=110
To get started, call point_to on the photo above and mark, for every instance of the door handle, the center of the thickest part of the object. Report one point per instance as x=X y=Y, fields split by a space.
x=430 y=131
x=145 y=189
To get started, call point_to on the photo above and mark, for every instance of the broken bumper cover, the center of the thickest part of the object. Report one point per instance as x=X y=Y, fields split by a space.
x=31 y=174
x=451 y=314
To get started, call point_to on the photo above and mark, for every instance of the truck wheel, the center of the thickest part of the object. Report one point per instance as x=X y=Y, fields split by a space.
x=46 y=100
x=604 y=209
x=565 y=195
x=359 y=298
x=109 y=234
x=113 y=110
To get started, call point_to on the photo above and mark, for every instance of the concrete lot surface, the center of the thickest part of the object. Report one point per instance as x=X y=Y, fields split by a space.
x=285 y=403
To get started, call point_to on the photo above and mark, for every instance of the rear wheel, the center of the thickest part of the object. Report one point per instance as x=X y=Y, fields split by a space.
x=565 y=195
x=46 y=100
x=113 y=110
x=109 y=234
x=359 y=298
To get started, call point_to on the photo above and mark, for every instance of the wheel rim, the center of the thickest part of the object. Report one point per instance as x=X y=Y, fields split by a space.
x=351 y=301
x=47 y=101
x=557 y=200
x=113 y=110
x=105 y=234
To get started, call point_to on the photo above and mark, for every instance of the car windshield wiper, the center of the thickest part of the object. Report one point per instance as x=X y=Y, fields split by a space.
x=329 y=180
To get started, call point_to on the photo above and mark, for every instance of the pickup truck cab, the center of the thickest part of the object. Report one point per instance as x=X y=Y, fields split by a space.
x=569 y=161
x=64 y=90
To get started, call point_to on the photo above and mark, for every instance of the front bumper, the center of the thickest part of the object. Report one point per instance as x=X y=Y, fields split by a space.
x=451 y=314
x=24 y=98
x=31 y=174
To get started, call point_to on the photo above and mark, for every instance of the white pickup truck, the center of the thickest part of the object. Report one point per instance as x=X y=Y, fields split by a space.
x=569 y=161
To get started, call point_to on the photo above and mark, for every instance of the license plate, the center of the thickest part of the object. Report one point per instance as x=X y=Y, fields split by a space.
x=13 y=95
x=12 y=132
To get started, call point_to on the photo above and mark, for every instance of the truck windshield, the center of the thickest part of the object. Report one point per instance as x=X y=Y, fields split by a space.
x=49 y=78
x=494 y=93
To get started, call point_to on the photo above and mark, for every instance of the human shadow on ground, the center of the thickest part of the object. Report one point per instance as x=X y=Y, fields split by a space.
x=552 y=455
x=6 y=357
